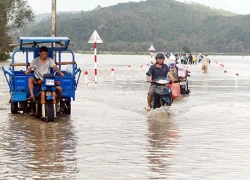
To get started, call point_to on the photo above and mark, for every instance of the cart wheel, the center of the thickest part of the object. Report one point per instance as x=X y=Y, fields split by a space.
x=68 y=108
x=14 y=107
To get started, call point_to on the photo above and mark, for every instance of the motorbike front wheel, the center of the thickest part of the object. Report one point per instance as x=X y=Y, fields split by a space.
x=156 y=101
x=167 y=103
x=50 y=112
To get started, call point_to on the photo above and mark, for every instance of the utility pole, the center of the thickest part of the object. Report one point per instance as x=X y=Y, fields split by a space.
x=53 y=24
x=53 y=19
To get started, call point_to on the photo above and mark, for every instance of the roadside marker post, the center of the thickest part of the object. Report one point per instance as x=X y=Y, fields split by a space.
x=95 y=39
x=86 y=77
x=112 y=72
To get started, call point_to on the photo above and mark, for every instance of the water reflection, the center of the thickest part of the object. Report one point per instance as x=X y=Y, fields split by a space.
x=162 y=140
x=41 y=149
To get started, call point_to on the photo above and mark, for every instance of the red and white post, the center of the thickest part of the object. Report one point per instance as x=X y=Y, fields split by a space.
x=112 y=72
x=95 y=38
x=95 y=61
x=236 y=77
x=86 y=77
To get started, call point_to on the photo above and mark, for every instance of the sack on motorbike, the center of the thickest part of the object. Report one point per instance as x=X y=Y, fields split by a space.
x=175 y=87
x=181 y=70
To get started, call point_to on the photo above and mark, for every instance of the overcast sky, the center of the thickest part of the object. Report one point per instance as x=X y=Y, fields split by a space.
x=44 y=6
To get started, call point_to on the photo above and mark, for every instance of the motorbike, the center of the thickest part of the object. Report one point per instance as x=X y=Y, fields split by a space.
x=184 y=83
x=183 y=73
x=46 y=105
x=163 y=93
x=184 y=86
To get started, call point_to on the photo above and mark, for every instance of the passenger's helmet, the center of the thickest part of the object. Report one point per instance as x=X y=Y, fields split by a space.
x=159 y=56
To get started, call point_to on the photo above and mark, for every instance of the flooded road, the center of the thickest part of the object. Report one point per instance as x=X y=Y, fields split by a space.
x=109 y=135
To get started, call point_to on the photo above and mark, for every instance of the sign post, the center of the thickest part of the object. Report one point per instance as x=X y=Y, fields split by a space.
x=94 y=39
x=152 y=50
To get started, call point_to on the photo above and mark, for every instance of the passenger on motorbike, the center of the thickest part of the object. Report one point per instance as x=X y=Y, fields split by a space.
x=170 y=58
x=42 y=63
x=159 y=69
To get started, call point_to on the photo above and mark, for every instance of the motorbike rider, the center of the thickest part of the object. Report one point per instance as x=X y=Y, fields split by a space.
x=205 y=62
x=42 y=63
x=159 y=69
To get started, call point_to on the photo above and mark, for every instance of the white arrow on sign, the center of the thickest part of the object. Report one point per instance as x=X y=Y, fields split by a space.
x=95 y=38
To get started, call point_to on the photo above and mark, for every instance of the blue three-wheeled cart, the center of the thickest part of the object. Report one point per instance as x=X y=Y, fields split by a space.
x=46 y=104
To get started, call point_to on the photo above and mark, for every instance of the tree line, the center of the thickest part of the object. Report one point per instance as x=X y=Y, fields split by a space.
x=14 y=15
x=167 y=24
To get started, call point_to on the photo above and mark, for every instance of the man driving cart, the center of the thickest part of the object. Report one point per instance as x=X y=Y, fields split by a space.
x=42 y=64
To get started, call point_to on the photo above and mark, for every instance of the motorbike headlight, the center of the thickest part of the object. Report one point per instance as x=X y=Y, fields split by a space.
x=50 y=82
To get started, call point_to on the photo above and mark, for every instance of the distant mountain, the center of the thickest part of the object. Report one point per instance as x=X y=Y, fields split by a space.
x=41 y=17
x=167 y=24
x=46 y=16
x=201 y=8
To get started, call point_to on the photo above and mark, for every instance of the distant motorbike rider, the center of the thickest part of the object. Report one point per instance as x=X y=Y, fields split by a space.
x=205 y=62
x=200 y=57
x=159 y=69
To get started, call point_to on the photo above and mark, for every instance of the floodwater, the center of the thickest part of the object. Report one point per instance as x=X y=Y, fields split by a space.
x=109 y=135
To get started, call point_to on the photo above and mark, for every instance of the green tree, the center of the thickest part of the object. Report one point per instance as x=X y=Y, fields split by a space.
x=186 y=50
x=14 y=15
